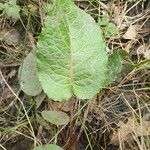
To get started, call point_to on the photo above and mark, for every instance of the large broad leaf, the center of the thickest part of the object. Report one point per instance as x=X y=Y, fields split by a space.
x=55 y=117
x=48 y=147
x=71 y=55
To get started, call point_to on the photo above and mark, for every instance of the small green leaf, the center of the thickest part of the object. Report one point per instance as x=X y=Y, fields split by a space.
x=110 y=30
x=114 y=67
x=12 y=11
x=48 y=147
x=103 y=21
x=28 y=77
x=39 y=99
x=1 y=6
x=42 y=122
x=55 y=117
x=122 y=53
x=12 y=2
x=115 y=62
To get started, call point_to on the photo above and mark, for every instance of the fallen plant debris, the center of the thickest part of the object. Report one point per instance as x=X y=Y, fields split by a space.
x=130 y=130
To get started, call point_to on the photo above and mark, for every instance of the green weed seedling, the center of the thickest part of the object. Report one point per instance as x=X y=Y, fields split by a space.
x=48 y=147
x=109 y=28
x=11 y=9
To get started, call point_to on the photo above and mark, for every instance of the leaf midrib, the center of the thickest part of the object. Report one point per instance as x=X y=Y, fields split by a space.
x=71 y=64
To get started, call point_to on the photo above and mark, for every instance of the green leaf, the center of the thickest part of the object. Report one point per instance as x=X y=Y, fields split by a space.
x=115 y=62
x=71 y=54
x=114 y=66
x=103 y=21
x=110 y=30
x=1 y=6
x=12 y=10
x=12 y=2
x=42 y=122
x=39 y=99
x=55 y=117
x=48 y=147
x=28 y=77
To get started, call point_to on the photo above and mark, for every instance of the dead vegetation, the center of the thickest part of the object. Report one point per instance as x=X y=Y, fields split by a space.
x=117 y=118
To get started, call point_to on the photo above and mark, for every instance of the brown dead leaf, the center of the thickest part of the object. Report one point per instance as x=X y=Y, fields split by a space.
x=12 y=74
x=118 y=17
x=132 y=32
x=123 y=132
x=126 y=131
x=145 y=50
x=129 y=46
x=10 y=36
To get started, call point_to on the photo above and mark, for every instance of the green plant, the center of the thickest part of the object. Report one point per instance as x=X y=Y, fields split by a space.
x=55 y=117
x=11 y=9
x=109 y=28
x=48 y=147
x=70 y=58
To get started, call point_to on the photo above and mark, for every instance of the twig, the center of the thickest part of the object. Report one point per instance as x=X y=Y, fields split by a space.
x=3 y=147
